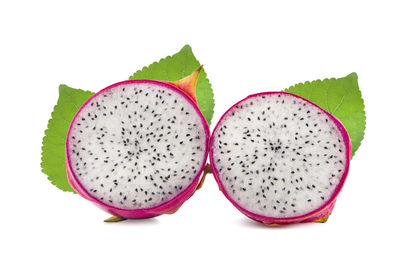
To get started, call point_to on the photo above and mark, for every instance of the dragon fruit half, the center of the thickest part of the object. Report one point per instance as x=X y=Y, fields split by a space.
x=138 y=148
x=280 y=158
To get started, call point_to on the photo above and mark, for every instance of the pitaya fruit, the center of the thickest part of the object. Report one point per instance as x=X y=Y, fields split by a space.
x=279 y=158
x=137 y=148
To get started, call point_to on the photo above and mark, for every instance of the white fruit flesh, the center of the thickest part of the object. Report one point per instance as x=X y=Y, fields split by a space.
x=137 y=145
x=278 y=156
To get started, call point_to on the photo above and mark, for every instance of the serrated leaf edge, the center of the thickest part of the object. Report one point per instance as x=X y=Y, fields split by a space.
x=351 y=75
x=46 y=130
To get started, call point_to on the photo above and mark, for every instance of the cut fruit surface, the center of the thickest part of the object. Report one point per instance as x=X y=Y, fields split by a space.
x=137 y=145
x=280 y=158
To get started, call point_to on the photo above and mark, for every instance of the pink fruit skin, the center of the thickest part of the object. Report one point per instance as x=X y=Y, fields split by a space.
x=319 y=213
x=168 y=207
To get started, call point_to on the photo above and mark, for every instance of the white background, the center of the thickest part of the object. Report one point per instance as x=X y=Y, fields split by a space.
x=246 y=47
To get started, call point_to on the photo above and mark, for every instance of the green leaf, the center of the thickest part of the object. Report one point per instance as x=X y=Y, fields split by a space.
x=171 y=68
x=176 y=67
x=342 y=98
x=53 y=148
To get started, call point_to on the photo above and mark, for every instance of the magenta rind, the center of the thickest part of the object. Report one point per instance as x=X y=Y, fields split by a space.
x=317 y=214
x=167 y=207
